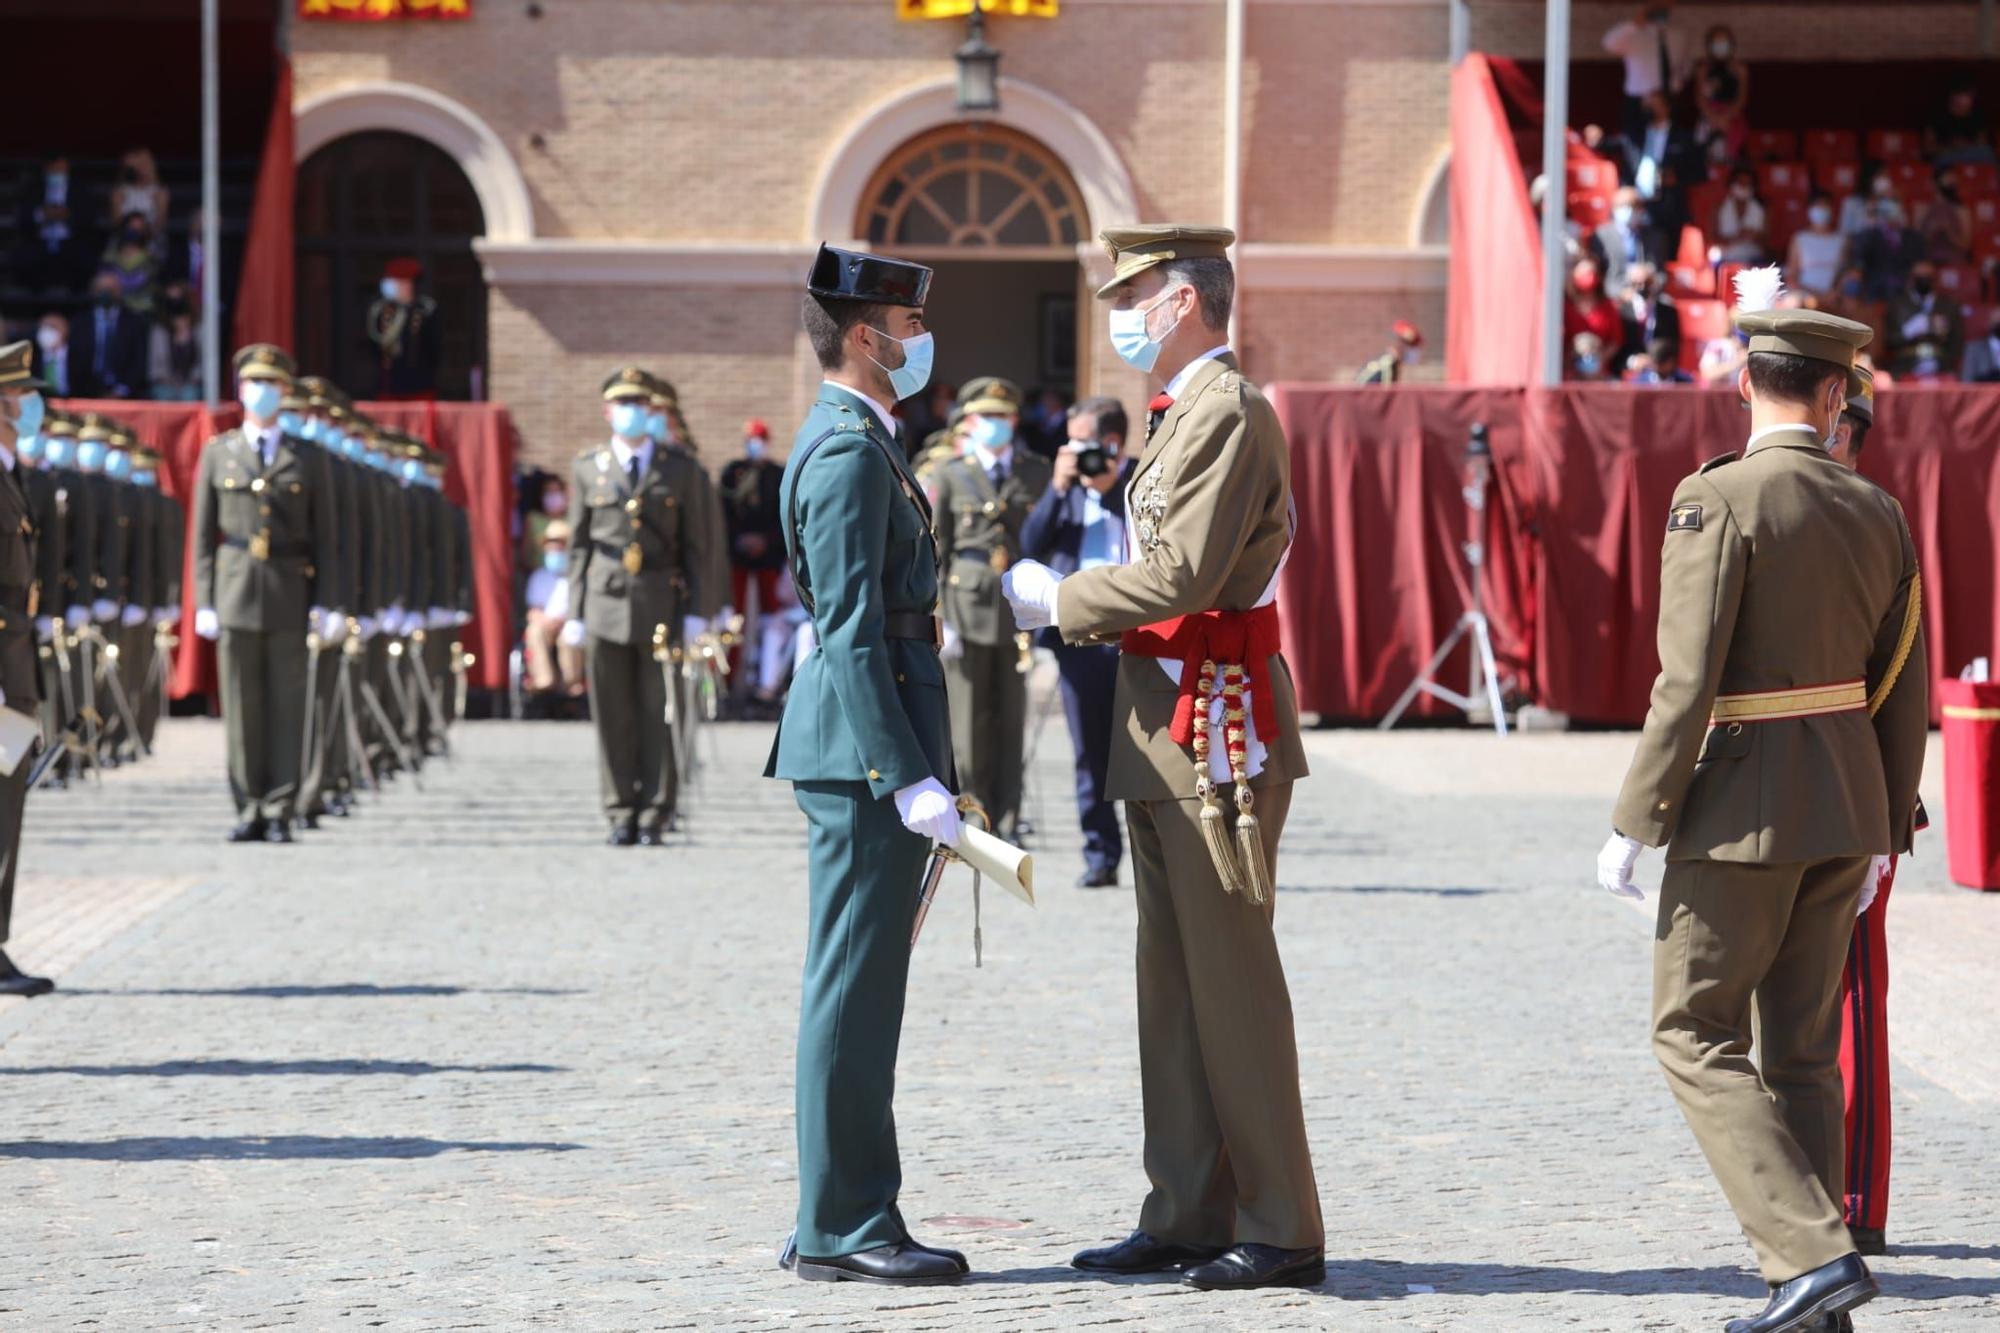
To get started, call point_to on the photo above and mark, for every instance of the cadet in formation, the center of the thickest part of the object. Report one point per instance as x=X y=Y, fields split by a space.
x=1779 y=767
x=21 y=411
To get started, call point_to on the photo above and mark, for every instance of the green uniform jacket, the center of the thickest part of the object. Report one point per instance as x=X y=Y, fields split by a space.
x=662 y=517
x=1779 y=571
x=974 y=519
x=48 y=510
x=18 y=672
x=235 y=499
x=864 y=707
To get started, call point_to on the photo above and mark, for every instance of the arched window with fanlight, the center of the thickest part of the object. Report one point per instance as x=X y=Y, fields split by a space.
x=971 y=187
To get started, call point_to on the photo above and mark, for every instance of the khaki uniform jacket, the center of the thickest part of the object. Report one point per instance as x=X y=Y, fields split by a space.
x=48 y=510
x=142 y=543
x=81 y=581
x=664 y=516
x=975 y=519
x=114 y=532
x=18 y=672
x=1207 y=517
x=236 y=498
x=1781 y=570
x=169 y=546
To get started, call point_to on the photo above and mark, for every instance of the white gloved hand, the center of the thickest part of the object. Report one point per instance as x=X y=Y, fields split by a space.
x=45 y=628
x=461 y=618
x=104 y=610
x=332 y=626
x=953 y=646
x=166 y=616
x=437 y=618
x=77 y=616
x=207 y=624
x=692 y=628
x=132 y=617
x=573 y=634
x=1031 y=589
x=395 y=622
x=1614 y=867
x=1878 y=870
x=930 y=811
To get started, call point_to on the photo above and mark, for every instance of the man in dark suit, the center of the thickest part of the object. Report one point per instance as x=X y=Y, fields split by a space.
x=1925 y=330
x=1649 y=314
x=1660 y=162
x=109 y=346
x=1080 y=523
x=1626 y=241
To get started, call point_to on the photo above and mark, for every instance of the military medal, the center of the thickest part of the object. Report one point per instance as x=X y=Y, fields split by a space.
x=260 y=545
x=633 y=559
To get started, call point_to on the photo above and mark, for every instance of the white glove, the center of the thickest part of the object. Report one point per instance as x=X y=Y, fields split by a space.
x=1614 y=867
x=77 y=616
x=104 y=610
x=692 y=628
x=929 y=810
x=461 y=618
x=207 y=624
x=1031 y=587
x=366 y=627
x=1878 y=871
x=45 y=628
x=437 y=618
x=395 y=622
x=331 y=624
x=573 y=634
x=132 y=617
x=953 y=646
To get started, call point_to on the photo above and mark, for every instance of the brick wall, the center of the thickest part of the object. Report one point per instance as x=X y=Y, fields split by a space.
x=1330 y=336
x=1908 y=30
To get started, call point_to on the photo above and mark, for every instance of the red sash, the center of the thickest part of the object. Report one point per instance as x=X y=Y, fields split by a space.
x=1249 y=639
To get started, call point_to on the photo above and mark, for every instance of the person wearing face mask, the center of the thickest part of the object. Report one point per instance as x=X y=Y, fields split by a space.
x=108 y=345
x=167 y=526
x=979 y=502
x=552 y=664
x=1588 y=310
x=1818 y=253
x=138 y=590
x=1960 y=131
x=1722 y=89
x=134 y=254
x=1626 y=239
x=1779 y=767
x=1925 y=329
x=1741 y=225
x=749 y=490
x=78 y=572
x=326 y=785
x=1657 y=58
x=1406 y=348
x=48 y=506
x=52 y=355
x=706 y=527
x=1887 y=249
x=1946 y=223
x=109 y=565
x=407 y=334
x=1204 y=753
x=174 y=360
x=265 y=571
x=49 y=254
x=21 y=411
x=865 y=741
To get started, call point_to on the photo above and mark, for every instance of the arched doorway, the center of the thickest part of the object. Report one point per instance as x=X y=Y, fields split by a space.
x=1000 y=219
x=365 y=199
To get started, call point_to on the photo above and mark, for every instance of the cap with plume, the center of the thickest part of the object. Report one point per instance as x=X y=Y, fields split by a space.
x=1758 y=289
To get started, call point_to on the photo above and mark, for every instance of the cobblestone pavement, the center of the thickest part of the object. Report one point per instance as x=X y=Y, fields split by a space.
x=455 y=1064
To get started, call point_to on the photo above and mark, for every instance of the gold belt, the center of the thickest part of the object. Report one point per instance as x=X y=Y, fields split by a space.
x=1804 y=701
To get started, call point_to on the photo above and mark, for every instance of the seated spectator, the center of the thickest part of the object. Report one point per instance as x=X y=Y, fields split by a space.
x=545 y=501
x=53 y=364
x=174 y=366
x=1722 y=360
x=1818 y=254
x=1627 y=239
x=1981 y=364
x=1881 y=257
x=1660 y=162
x=139 y=190
x=1666 y=358
x=1856 y=210
x=1926 y=333
x=1588 y=363
x=133 y=256
x=1742 y=231
x=551 y=663
x=110 y=345
x=1958 y=132
x=1721 y=87
x=51 y=252
x=1588 y=310
x=1648 y=313
x=1946 y=223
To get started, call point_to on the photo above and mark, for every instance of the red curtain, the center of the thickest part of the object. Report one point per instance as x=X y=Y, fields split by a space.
x=264 y=291
x=477 y=438
x=1493 y=302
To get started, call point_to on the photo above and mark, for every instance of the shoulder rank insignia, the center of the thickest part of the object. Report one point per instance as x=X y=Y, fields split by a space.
x=1684 y=518
x=1714 y=463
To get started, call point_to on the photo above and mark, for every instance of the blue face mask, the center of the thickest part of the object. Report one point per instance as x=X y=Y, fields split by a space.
x=60 y=452
x=412 y=470
x=118 y=465
x=145 y=479
x=260 y=398
x=656 y=425
x=291 y=423
x=312 y=428
x=909 y=378
x=31 y=447
x=90 y=455
x=990 y=433
x=628 y=420
x=376 y=461
x=555 y=561
x=1135 y=346
x=28 y=413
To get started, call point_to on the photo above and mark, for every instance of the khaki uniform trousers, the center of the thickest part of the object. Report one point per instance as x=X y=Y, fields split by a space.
x=1226 y=1143
x=988 y=696
x=263 y=678
x=1732 y=936
x=628 y=704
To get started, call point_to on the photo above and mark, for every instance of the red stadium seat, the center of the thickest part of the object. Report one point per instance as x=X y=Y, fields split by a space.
x=1895 y=145
x=1914 y=182
x=1773 y=145
x=1592 y=210
x=1785 y=218
x=1701 y=322
x=1960 y=280
x=1784 y=180
x=1721 y=171
x=1694 y=247
x=1690 y=280
x=1703 y=200
x=1595 y=176
x=1986 y=245
x=1725 y=281
x=1977 y=180
x=1831 y=146
x=1985 y=212
x=1838 y=178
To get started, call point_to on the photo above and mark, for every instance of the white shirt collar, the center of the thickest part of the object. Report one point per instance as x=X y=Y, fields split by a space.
x=1179 y=382
x=882 y=413
x=1769 y=431
x=988 y=460
x=6 y=458
x=625 y=453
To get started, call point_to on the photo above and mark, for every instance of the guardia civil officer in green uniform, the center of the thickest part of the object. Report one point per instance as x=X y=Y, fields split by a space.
x=632 y=577
x=1780 y=757
x=263 y=534
x=981 y=499
x=20 y=414
x=865 y=742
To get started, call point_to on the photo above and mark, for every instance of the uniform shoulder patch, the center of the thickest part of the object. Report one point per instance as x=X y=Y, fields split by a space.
x=1714 y=463
x=1684 y=518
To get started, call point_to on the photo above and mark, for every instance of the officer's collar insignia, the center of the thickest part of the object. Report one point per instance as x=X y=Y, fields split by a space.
x=1685 y=518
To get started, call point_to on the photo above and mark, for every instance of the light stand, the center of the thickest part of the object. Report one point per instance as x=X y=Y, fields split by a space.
x=1485 y=675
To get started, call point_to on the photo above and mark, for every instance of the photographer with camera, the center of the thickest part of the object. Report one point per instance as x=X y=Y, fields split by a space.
x=1079 y=523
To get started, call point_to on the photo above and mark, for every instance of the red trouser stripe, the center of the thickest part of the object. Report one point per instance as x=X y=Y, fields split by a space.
x=1864 y=1063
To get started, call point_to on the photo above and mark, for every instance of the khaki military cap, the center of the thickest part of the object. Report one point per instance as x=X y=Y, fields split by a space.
x=1808 y=333
x=319 y=393
x=122 y=436
x=664 y=394
x=94 y=428
x=631 y=382
x=265 y=361
x=144 y=456
x=1861 y=393
x=60 y=423
x=17 y=365
x=989 y=395
x=295 y=399
x=1133 y=250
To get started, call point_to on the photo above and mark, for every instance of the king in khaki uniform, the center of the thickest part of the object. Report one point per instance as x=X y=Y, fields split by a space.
x=1778 y=766
x=865 y=741
x=1204 y=754
x=633 y=574
x=264 y=535
x=21 y=410
x=980 y=500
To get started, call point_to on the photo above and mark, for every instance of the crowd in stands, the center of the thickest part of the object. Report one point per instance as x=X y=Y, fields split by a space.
x=1897 y=228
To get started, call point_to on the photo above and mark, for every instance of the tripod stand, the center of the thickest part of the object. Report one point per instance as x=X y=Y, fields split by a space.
x=1485 y=676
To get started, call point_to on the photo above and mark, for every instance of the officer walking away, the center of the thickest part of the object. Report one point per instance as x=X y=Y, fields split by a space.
x=981 y=499
x=263 y=532
x=1404 y=351
x=1779 y=760
x=1079 y=523
x=21 y=409
x=865 y=742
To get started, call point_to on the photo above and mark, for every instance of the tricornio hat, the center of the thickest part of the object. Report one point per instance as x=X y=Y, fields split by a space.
x=852 y=275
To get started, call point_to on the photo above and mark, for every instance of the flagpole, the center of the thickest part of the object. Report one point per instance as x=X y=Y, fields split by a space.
x=211 y=208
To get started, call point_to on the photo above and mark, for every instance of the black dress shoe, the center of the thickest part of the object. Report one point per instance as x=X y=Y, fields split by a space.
x=623 y=835
x=1103 y=877
x=1253 y=1265
x=940 y=1251
x=13 y=981
x=250 y=830
x=898 y=1265
x=650 y=837
x=1141 y=1253
x=280 y=831
x=310 y=819
x=1805 y=1302
x=1868 y=1240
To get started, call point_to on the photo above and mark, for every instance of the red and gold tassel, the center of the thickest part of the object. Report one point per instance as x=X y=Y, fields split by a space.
x=1214 y=821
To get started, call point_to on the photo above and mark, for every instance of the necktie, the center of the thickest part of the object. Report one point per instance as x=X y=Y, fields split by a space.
x=1157 y=409
x=1666 y=64
x=632 y=472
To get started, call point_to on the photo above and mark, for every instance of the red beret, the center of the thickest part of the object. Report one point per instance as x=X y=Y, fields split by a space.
x=1407 y=331
x=755 y=426
x=408 y=269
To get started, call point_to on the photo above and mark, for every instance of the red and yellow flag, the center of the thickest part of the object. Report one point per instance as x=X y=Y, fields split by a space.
x=380 y=11
x=958 y=9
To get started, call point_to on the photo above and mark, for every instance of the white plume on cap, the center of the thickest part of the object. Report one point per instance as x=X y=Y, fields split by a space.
x=1758 y=288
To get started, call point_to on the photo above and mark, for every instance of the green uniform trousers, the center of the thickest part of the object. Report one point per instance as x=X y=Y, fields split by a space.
x=628 y=705
x=866 y=871
x=326 y=766
x=145 y=652
x=1732 y=936
x=135 y=656
x=989 y=718
x=263 y=678
x=50 y=709
x=13 y=800
x=1226 y=1143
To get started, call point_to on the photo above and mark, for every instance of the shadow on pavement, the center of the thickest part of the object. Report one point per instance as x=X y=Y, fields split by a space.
x=250 y=1147
x=1415 y=890
x=349 y=990
x=251 y=1068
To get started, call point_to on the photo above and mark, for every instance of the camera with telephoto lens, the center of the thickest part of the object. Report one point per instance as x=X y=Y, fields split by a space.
x=1093 y=460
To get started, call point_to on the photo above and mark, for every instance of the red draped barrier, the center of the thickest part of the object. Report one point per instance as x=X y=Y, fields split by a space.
x=478 y=438
x=1583 y=479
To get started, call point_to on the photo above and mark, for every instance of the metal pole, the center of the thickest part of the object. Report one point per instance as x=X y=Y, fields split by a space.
x=1986 y=27
x=1555 y=200
x=1461 y=29
x=1232 y=136
x=211 y=208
